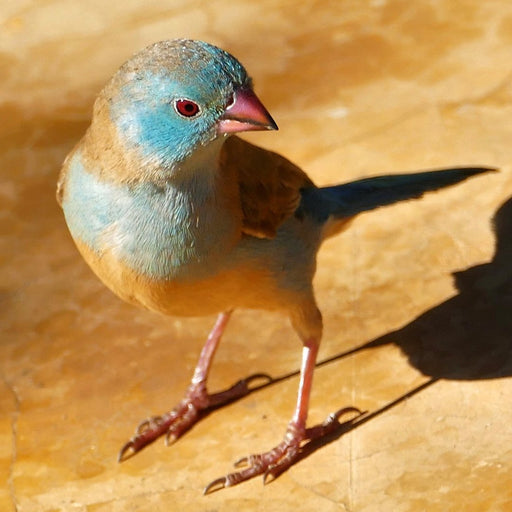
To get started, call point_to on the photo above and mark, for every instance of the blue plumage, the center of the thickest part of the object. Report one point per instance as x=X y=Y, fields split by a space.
x=142 y=98
x=152 y=229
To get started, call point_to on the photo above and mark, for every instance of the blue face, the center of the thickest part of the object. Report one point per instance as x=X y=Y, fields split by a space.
x=166 y=109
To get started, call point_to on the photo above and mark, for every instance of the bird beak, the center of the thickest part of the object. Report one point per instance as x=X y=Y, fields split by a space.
x=246 y=113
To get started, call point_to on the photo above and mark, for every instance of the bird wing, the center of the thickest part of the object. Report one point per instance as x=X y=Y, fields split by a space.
x=269 y=186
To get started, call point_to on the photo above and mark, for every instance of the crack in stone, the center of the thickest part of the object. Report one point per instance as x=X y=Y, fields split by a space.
x=14 y=431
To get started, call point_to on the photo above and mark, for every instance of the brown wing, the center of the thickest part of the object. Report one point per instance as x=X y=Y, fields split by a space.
x=269 y=186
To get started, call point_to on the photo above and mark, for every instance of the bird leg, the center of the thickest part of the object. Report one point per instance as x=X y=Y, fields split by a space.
x=286 y=453
x=277 y=460
x=175 y=423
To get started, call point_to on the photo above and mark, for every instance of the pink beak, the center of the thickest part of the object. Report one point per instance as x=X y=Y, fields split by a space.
x=246 y=113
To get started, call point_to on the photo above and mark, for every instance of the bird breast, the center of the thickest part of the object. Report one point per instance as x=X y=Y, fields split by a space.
x=161 y=232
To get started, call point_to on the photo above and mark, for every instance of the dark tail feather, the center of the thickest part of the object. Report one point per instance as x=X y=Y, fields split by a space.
x=349 y=199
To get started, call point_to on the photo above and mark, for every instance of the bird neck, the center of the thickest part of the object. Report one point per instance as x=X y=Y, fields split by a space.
x=202 y=164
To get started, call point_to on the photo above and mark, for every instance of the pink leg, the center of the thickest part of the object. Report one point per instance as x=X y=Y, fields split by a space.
x=176 y=422
x=197 y=388
x=309 y=353
x=286 y=453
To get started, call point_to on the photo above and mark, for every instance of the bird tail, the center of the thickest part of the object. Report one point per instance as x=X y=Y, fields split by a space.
x=341 y=202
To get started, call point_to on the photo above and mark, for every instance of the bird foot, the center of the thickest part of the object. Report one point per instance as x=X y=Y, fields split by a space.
x=274 y=462
x=172 y=424
x=175 y=423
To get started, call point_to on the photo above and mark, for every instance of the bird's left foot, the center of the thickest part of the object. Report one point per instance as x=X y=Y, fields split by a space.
x=274 y=462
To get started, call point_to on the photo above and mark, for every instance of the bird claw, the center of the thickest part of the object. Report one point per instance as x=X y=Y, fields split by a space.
x=147 y=424
x=172 y=425
x=257 y=376
x=332 y=423
x=128 y=450
x=239 y=389
x=241 y=462
x=146 y=432
x=170 y=437
x=274 y=471
x=273 y=463
x=217 y=485
x=340 y=412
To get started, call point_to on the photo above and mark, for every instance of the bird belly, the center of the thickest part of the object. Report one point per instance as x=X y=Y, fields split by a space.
x=233 y=285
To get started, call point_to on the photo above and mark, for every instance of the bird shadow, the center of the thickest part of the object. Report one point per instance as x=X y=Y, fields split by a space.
x=466 y=338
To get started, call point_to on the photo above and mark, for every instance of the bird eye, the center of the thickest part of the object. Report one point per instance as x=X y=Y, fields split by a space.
x=186 y=108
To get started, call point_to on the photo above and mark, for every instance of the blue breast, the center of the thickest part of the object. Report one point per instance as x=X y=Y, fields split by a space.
x=153 y=230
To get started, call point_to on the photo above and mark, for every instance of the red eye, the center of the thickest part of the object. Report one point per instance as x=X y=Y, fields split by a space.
x=187 y=108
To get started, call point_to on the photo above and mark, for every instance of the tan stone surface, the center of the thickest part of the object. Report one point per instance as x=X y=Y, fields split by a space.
x=423 y=289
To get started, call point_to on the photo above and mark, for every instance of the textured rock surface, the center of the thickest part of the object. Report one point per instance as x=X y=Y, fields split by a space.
x=423 y=289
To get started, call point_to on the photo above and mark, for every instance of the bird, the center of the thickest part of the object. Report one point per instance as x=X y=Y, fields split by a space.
x=177 y=214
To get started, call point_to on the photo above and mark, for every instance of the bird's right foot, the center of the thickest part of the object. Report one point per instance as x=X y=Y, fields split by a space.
x=175 y=423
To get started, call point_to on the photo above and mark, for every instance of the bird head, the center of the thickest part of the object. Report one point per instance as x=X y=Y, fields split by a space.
x=176 y=98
